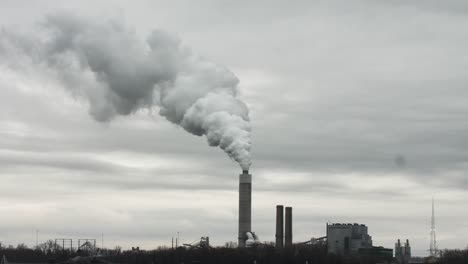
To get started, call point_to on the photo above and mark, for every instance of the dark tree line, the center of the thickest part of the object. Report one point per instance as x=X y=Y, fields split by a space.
x=51 y=253
x=454 y=256
x=266 y=254
x=225 y=255
x=311 y=254
x=47 y=252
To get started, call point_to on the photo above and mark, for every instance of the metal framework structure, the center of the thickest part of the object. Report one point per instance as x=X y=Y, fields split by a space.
x=433 y=251
x=84 y=245
x=313 y=241
x=64 y=243
x=87 y=244
x=204 y=242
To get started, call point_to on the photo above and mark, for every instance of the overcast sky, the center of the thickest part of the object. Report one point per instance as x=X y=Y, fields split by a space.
x=358 y=112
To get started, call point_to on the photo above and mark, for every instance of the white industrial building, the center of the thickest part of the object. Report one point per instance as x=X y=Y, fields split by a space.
x=403 y=252
x=344 y=239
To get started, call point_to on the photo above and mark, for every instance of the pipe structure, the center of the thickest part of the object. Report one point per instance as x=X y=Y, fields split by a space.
x=288 y=226
x=245 y=206
x=279 y=226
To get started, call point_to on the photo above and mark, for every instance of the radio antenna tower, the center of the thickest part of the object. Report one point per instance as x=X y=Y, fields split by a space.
x=433 y=246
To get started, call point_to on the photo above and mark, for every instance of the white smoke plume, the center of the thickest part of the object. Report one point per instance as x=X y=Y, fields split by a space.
x=118 y=73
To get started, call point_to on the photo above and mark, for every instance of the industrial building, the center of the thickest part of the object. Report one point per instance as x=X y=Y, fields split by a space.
x=341 y=239
x=344 y=239
x=402 y=252
x=380 y=254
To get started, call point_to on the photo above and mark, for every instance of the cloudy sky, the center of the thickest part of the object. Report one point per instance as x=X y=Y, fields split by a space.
x=358 y=112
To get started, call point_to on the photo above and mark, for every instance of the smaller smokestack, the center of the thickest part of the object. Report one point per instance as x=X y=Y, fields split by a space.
x=279 y=226
x=288 y=227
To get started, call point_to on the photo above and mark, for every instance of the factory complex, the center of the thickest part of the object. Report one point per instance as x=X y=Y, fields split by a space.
x=342 y=239
x=342 y=243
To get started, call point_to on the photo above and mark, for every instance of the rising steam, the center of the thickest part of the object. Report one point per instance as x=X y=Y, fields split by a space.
x=118 y=74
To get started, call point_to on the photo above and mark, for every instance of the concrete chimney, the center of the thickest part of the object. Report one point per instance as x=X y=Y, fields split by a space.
x=245 y=206
x=279 y=226
x=288 y=228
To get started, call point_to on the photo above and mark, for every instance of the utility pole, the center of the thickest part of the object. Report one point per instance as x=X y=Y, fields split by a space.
x=37 y=238
x=433 y=245
x=177 y=240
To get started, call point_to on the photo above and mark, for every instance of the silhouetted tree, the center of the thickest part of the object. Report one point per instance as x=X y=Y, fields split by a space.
x=455 y=256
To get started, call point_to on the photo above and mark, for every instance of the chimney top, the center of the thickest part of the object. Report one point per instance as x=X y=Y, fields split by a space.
x=245 y=172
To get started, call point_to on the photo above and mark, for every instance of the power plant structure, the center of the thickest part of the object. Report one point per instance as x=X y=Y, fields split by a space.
x=204 y=242
x=245 y=207
x=279 y=226
x=402 y=252
x=288 y=237
x=345 y=239
x=284 y=229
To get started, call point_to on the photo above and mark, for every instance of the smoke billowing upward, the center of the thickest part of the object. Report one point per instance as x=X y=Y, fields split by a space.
x=118 y=74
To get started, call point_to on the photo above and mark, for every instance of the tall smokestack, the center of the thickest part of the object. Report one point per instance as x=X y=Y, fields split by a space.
x=279 y=226
x=288 y=227
x=245 y=206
